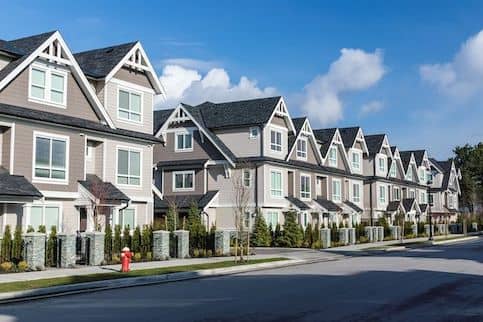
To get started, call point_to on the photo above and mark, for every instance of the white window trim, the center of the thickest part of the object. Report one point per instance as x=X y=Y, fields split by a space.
x=128 y=148
x=393 y=166
x=398 y=195
x=381 y=199
x=250 y=133
x=384 y=158
x=358 y=189
x=48 y=79
x=249 y=179
x=183 y=132
x=306 y=149
x=281 y=141
x=44 y=205
x=333 y=162
x=281 y=184
x=192 y=172
x=412 y=193
x=118 y=211
x=46 y=135
x=305 y=175
x=359 y=153
x=339 y=197
x=130 y=91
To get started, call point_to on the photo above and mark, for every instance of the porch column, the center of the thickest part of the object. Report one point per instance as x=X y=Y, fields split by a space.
x=90 y=219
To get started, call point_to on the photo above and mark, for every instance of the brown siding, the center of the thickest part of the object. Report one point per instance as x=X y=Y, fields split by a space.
x=24 y=154
x=135 y=77
x=199 y=183
x=16 y=93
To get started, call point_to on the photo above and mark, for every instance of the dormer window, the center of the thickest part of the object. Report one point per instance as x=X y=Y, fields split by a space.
x=409 y=176
x=422 y=175
x=47 y=85
x=129 y=105
x=356 y=161
x=302 y=149
x=276 y=140
x=382 y=165
x=392 y=171
x=183 y=142
x=333 y=156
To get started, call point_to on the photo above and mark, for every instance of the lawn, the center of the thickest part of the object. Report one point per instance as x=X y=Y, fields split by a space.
x=74 y=279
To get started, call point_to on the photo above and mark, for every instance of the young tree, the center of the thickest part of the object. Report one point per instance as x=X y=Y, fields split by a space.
x=6 y=245
x=195 y=227
x=292 y=235
x=146 y=244
x=172 y=214
x=17 y=245
x=51 y=251
x=126 y=237
x=261 y=235
x=117 y=240
x=400 y=219
x=241 y=194
x=308 y=236
x=108 y=243
x=136 y=240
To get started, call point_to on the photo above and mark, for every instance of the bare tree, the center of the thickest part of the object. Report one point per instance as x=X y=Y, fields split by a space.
x=241 y=193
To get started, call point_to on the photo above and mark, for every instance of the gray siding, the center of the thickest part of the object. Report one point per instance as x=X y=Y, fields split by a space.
x=239 y=141
x=199 y=183
x=132 y=76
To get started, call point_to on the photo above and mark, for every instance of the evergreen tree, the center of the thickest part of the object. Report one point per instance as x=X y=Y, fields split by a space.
x=261 y=235
x=6 y=253
x=334 y=232
x=17 y=245
x=136 y=240
x=277 y=236
x=126 y=238
x=42 y=229
x=316 y=233
x=171 y=219
x=108 y=243
x=146 y=243
x=51 y=251
x=116 y=247
x=195 y=227
x=292 y=235
x=308 y=236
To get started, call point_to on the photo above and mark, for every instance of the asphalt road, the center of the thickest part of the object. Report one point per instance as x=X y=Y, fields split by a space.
x=432 y=284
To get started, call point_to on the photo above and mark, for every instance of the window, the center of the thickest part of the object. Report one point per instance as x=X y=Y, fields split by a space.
x=247 y=178
x=129 y=105
x=128 y=167
x=276 y=183
x=336 y=190
x=276 y=141
x=382 y=194
x=429 y=177
x=183 y=180
x=304 y=220
x=422 y=197
x=392 y=171
x=183 y=142
x=409 y=175
x=253 y=132
x=272 y=219
x=127 y=218
x=356 y=161
x=247 y=219
x=304 y=186
x=356 y=192
x=48 y=85
x=50 y=158
x=382 y=165
x=412 y=194
x=302 y=149
x=45 y=215
x=333 y=156
x=422 y=175
x=450 y=201
x=397 y=194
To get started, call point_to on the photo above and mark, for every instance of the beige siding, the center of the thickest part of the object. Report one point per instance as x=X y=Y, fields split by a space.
x=278 y=125
x=239 y=141
x=311 y=154
x=16 y=93
x=5 y=140
x=135 y=77
x=226 y=195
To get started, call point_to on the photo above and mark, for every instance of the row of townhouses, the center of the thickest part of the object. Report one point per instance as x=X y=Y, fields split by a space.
x=81 y=145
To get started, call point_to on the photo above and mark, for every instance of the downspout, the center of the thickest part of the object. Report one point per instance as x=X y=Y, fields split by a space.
x=370 y=202
x=256 y=187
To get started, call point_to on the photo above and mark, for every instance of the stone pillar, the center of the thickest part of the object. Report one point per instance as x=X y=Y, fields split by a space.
x=35 y=250
x=395 y=232
x=96 y=247
x=325 y=237
x=344 y=236
x=426 y=229
x=415 y=230
x=160 y=245
x=183 y=237
x=222 y=243
x=352 y=236
x=474 y=225
x=369 y=233
x=380 y=235
x=66 y=245
x=375 y=233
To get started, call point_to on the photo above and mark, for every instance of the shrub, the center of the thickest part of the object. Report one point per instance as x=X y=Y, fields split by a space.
x=116 y=244
x=6 y=267
x=261 y=235
x=116 y=259
x=171 y=219
x=308 y=236
x=42 y=229
x=108 y=243
x=126 y=238
x=316 y=233
x=317 y=244
x=146 y=240
x=292 y=235
x=51 y=250
x=209 y=253
x=22 y=266
x=276 y=236
x=17 y=245
x=6 y=250
x=137 y=257
x=30 y=229
x=196 y=252
x=149 y=256
x=136 y=240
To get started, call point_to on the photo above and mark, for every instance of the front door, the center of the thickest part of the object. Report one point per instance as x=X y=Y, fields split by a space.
x=82 y=220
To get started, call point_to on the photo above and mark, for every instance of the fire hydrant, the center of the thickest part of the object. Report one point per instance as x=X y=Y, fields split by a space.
x=126 y=256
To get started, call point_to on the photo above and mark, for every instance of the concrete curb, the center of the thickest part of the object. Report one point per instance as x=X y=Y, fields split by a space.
x=55 y=291
x=455 y=240
x=395 y=249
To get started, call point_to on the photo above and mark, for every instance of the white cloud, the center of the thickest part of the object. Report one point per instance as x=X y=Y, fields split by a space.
x=462 y=77
x=189 y=86
x=354 y=70
x=198 y=64
x=372 y=107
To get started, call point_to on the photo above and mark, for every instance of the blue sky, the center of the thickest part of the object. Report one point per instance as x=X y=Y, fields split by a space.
x=409 y=69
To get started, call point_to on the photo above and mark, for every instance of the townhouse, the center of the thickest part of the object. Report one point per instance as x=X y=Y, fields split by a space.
x=444 y=190
x=76 y=139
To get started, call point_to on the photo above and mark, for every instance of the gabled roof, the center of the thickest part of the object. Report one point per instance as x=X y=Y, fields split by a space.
x=324 y=137
x=405 y=159
x=409 y=204
x=436 y=165
x=238 y=113
x=298 y=123
x=16 y=186
x=374 y=143
x=446 y=166
x=393 y=206
x=302 y=124
x=97 y=63
x=418 y=156
x=160 y=117
x=105 y=191
x=349 y=135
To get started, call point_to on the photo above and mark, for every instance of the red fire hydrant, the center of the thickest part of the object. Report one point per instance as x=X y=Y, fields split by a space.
x=126 y=256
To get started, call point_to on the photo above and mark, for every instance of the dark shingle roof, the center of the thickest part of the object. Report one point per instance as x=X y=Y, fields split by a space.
x=328 y=204
x=353 y=206
x=161 y=116
x=408 y=203
x=16 y=186
x=105 y=191
x=423 y=207
x=436 y=165
x=374 y=142
x=393 y=149
x=446 y=167
x=393 y=205
x=99 y=62
x=194 y=163
x=324 y=137
x=184 y=202
x=418 y=156
x=26 y=113
x=405 y=158
x=298 y=122
x=349 y=135
x=298 y=203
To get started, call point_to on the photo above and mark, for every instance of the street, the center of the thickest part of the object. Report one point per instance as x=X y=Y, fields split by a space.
x=441 y=283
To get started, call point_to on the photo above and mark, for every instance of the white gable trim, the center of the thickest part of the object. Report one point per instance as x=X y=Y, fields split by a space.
x=307 y=130
x=281 y=110
x=360 y=137
x=337 y=139
x=86 y=87
x=148 y=68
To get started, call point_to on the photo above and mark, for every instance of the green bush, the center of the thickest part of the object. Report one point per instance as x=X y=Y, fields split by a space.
x=42 y=229
x=116 y=244
x=30 y=229
x=292 y=235
x=316 y=234
x=276 y=236
x=149 y=256
x=171 y=217
x=6 y=250
x=137 y=257
x=308 y=236
x=51 y=249
x=108 y=243
x=126 y=238
x=146 y=240
x=261 y=235
x=17 y=245
x=136 y=241
x=22 y=266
